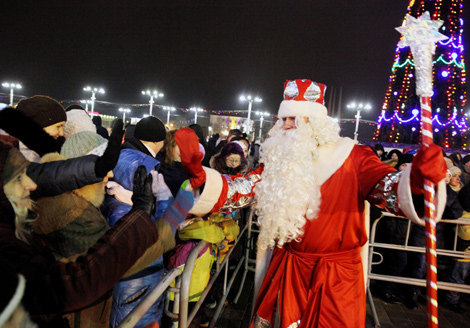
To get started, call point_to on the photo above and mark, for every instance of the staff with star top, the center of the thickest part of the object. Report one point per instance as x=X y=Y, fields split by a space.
x=421 y=34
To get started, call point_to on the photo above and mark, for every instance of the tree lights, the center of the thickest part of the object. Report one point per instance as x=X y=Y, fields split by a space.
x=397 y=121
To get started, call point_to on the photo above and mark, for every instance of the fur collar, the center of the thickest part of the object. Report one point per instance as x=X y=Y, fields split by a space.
x=93 y=193
x=331 y=158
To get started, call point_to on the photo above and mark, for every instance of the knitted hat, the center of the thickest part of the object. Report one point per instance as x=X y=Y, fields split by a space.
x=13 y=286
x=14 y=164
x=150 y=128
x=84 y=143
x=303 y=98
x=44 y=110
x=455 y=171
x=78 y=121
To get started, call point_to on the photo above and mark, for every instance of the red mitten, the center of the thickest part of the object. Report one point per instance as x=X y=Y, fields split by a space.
x=427 y=164
x=191 y=157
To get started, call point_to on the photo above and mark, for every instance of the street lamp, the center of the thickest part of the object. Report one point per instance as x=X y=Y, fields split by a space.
x=262 y=114
x=12 y=86
x=250 y=104
x=153 y=94
x=86 y=102
x=169 y=109
x=358 y=108
x=195 y=110
x=93 y=93
x=124 y=111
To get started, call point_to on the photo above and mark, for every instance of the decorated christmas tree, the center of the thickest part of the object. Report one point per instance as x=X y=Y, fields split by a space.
x=399 y=120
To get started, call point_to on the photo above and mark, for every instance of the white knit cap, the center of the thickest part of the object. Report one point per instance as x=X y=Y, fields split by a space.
x=77 y=121
x=303 y=98
x=84 y=143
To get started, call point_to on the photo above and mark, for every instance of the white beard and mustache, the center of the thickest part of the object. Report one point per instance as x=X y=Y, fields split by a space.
x=288 y=193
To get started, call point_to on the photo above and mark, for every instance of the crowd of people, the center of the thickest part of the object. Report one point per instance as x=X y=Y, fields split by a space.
x=413 y=264
x=91 y=221
x=82 y=233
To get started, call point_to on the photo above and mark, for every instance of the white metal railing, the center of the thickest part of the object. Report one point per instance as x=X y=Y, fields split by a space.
x=406 y=247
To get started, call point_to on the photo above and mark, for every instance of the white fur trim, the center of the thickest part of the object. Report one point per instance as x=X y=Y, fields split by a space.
x=14 y=302
x=211 y=193
x=291 y=108
x=263 y=258
x=331 y=158
x=405 y=200
x=365 y=247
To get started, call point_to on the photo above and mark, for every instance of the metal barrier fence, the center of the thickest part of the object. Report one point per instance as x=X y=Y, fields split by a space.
x=179 y=313
x=405 y=280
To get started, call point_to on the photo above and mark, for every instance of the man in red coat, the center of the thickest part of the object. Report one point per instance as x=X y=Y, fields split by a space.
x=311 y=206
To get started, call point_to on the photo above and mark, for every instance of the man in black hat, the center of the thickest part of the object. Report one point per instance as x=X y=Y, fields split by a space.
x=149 y=135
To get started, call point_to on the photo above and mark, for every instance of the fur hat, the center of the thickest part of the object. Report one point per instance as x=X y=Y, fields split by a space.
x=13 y=286
x=77 y=121
x=44 y=110
x=217 y=161
x=303 y=98
x=84 y=143
x=241 y=144
x=150 y=128
x=74 y=106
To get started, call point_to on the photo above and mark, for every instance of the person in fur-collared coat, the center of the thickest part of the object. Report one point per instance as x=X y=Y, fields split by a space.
x=230 y=160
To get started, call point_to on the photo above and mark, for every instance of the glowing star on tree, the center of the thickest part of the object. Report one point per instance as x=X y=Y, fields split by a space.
x=421 y=35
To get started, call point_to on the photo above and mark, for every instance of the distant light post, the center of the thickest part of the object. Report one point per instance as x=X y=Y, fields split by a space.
x=169 y=109
x=250 y=104
x=195 y=110
x=93 y=91
x=12 y=86
x=153 y=94
x=262 y=115
x=358 y=108
x=124 y=111
x=86 y=102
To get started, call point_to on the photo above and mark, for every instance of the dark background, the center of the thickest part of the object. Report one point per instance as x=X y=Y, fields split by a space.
x=201 y=53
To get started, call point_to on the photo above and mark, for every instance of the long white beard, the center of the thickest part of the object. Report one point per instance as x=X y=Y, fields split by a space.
x=288 y=194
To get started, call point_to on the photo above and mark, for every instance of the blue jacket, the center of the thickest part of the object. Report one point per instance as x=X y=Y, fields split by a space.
x=128 y=292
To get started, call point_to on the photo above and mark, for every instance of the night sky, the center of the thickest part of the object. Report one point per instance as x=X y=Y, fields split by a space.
x=203 y=55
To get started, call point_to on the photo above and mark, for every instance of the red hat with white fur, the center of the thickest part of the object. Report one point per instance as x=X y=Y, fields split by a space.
x=303 y=98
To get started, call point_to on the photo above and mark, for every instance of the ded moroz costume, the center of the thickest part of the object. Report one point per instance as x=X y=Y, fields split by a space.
x=315 y=275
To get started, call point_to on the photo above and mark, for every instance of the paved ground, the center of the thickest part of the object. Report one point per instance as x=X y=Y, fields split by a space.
x=390 y=315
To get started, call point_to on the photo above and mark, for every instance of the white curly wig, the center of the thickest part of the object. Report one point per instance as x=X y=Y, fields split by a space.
x=288 y=194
